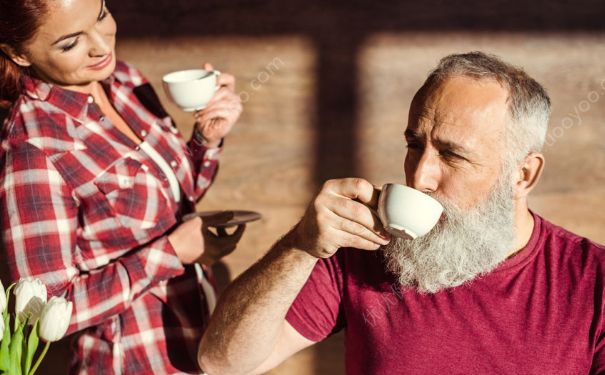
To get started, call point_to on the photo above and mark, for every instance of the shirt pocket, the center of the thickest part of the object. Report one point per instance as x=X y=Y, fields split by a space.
x=133 y=195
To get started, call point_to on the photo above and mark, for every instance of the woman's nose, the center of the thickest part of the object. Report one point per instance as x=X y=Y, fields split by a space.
x=100 y=45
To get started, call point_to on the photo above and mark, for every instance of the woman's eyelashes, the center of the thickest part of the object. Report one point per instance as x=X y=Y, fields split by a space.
x=69 y=46
x=103 y=14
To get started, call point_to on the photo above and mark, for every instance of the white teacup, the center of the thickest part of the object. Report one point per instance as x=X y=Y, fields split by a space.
x=407 y=212
x=191 y=89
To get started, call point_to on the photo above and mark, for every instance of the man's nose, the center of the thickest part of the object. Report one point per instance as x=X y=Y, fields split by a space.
x=426 y=173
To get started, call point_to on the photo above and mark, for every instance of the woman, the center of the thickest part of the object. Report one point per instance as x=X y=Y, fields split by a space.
x=94 y=182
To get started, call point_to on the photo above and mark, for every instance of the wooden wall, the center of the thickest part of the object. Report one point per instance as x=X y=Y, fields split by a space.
x=268 y=160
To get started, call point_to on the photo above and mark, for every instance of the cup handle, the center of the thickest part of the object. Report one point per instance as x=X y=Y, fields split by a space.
x=216 y=73
x=380 y=207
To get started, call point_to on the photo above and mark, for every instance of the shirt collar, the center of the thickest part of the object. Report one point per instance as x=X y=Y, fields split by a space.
x=74 y=103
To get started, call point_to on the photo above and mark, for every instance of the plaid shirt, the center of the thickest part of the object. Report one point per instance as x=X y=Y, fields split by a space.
x=87 y=211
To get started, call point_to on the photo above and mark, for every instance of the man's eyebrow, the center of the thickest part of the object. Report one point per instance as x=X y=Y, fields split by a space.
x=409 y=133
x=442 y=144
x=451 y=146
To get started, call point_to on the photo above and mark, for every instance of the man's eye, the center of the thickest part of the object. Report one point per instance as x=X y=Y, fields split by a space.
x=414 y=146
x=449 y=155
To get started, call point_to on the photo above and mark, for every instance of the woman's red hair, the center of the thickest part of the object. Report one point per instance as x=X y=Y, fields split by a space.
x=19 y=23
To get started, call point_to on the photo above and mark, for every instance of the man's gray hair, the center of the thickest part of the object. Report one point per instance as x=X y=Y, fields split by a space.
x=528 y=102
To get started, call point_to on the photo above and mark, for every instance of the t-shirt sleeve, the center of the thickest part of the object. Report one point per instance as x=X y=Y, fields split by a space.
x=598 y=361
x=317 y=310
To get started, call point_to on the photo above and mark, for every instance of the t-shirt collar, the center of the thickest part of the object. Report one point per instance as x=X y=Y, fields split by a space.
x=527 y=252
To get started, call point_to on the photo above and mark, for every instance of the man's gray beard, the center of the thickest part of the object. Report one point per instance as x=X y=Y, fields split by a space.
x=467 y=243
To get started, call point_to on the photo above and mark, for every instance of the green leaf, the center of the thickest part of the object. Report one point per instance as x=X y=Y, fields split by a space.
x=4 y=346
x=30 y=348
x=40 y=358
x=16 y=348
x=8 y=294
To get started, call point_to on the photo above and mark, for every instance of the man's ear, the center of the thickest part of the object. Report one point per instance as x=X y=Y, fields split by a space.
x=528 y=174
x=17 y=58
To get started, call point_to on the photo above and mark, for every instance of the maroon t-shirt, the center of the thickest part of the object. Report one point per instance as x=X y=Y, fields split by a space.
x=539 y=312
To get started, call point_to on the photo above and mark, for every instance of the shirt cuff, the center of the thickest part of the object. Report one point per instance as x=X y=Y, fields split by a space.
x=199 y=150
x=198 y=138
x=156 y=263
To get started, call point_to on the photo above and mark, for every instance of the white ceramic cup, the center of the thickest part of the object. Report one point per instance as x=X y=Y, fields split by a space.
x=191 y=89
x=407 y=212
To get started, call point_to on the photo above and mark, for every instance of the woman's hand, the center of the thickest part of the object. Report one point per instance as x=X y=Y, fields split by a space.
x=220 y=244
x=193 y=241
x=220 y=114
x=187 y=240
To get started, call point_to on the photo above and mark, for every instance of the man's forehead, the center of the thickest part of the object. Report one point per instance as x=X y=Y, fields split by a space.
x=462 y=108
x=443 y=134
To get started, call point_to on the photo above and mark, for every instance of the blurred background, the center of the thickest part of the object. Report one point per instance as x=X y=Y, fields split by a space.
x=326 y=87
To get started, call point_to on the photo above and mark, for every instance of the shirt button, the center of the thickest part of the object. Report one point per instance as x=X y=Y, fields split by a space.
x=191 y=197
x=206 y=164
x=138 y=148
x=173 y=164
x=143 y=133
x=90 y=99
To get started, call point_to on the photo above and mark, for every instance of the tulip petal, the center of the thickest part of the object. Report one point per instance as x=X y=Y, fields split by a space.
x=30 y=298
x=55 y=319
x=2 y=298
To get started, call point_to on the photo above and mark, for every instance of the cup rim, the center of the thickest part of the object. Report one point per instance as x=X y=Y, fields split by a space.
x=414 y=191
x=173 y=77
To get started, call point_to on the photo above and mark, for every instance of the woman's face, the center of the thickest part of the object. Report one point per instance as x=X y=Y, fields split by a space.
x=75 y=44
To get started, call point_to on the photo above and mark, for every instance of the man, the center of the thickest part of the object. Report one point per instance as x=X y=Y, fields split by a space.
x=493 y=288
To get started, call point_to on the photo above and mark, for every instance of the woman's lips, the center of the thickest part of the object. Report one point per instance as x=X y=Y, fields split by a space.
x=103 y=63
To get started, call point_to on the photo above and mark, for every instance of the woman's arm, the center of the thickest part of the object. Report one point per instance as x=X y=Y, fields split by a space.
x=205 y=163
x=211 y=126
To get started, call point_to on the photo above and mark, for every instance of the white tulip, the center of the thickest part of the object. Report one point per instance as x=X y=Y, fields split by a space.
x=2 y=298
x=55 y=319
x=31 y=297
x=1 y=329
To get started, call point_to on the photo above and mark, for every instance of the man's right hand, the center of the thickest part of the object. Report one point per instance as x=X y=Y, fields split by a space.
x=251 y=312
x=343 y=214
